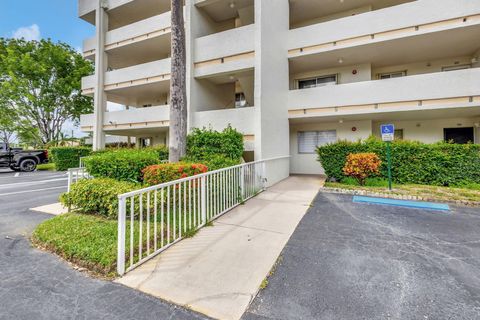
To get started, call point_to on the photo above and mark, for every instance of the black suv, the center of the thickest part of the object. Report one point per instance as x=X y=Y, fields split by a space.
x=21 y=160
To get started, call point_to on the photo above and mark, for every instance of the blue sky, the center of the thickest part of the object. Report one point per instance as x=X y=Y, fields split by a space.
x=55 y=19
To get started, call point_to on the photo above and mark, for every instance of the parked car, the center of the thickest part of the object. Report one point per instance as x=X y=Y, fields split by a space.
x=18 y=159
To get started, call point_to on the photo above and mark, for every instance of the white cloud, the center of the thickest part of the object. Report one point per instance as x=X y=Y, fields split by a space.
x=28 y=33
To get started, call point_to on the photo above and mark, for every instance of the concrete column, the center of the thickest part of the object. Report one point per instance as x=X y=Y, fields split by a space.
x=272 y=84
x=191 y=33
x=101 y=64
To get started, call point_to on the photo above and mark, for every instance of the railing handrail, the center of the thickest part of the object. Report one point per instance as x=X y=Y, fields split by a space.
x=198 y=176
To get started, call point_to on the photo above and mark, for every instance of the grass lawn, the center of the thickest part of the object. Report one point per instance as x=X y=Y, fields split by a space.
x=467 y=193
x=46 y=167
x=90 y=241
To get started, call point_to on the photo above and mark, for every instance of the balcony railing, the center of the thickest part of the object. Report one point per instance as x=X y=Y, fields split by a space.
x=403 y=20
x=132 y=33
x=136 y=75
x=152 y=117
x=454 y=88
x=242 y=119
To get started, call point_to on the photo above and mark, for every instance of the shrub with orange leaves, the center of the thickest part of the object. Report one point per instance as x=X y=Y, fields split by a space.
x=165 y=172
x=361 y=166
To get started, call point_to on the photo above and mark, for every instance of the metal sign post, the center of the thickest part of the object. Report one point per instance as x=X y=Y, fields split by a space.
x=388 y=134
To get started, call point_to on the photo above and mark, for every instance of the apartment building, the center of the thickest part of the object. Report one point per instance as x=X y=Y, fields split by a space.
x=289 y=74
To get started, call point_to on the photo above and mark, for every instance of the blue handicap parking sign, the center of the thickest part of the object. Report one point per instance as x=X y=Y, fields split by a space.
x=387 y=129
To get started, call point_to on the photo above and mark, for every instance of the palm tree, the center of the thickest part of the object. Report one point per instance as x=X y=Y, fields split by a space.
x=178 y=94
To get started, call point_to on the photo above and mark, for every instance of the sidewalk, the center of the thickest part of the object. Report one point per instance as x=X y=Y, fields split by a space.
x=219 y=270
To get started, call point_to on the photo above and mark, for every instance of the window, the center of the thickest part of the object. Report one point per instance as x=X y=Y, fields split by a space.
x=459 y=135
x=317 y=82
x=458 y=67
x=398 y=135
x=390 y=75
x=308 y=141
x=240 y=101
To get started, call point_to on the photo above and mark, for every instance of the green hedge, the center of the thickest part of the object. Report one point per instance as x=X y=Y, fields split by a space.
x=214 y=162
x=122 y=164
x=97 y=196
x=67 y=157
x=205 y=143
x=442 y=164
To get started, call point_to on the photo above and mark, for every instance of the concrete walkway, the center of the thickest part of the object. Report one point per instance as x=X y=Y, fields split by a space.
x=218 y=272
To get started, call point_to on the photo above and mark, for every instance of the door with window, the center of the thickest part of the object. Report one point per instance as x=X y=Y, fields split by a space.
x=459 y=135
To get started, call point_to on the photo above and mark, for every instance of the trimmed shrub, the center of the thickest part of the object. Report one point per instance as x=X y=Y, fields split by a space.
x=67 y=157
x=442 y=164
x=97 y=196
x=361 y=166
x=215 y=162
x=162 y=152
x=122 y=164
x=204 y=143
x=161 y=173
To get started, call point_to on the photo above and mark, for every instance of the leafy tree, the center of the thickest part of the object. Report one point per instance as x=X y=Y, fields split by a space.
x=40 y=86
x=7 y=125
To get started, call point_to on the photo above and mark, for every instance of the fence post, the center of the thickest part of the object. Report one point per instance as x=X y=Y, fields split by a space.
x=69 y=179
x=203 y=183
x=242 y=182
x=264 y=175
x=121 y=235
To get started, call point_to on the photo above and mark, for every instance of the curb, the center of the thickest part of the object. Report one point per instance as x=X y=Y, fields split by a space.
x=389 y=195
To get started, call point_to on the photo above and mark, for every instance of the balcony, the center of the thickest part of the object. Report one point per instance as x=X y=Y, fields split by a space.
x=224 y=52
x=242 y=119
x=442 y=90
x=401 y=21
x=137 y=43
x=307 y=12
x=148 y=81
x=128 y=122
x=123 y=12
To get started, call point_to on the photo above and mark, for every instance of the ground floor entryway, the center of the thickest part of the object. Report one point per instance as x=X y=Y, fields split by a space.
x=456 y=125
x=361 y=261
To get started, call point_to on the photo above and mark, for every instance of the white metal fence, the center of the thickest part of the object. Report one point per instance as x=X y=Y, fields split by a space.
x=152 y=219
x=76 y=174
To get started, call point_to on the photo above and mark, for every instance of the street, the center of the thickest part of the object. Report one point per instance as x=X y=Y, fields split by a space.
x=38 y=285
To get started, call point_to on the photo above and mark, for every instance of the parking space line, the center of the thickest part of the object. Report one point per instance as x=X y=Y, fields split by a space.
x=28 y=191
x=31 y=183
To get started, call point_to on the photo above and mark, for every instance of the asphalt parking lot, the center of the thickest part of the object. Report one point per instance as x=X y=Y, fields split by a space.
x=362 y=261
x=38 y=285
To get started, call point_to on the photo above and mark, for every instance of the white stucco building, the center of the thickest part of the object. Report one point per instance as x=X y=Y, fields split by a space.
x=290 y=74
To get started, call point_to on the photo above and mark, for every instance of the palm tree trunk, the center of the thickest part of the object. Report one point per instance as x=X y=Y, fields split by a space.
x=178 y=94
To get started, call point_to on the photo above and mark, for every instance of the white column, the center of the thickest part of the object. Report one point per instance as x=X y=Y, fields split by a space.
x=101 y=64
x=271 y=84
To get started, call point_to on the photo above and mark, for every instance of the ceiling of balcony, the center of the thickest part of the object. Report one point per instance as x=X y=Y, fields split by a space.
x=141 y=132
x=230 y=77
x=304 y=10
x=439 y=45
x=221 y=10
x=140 y=52
x=153 y=93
